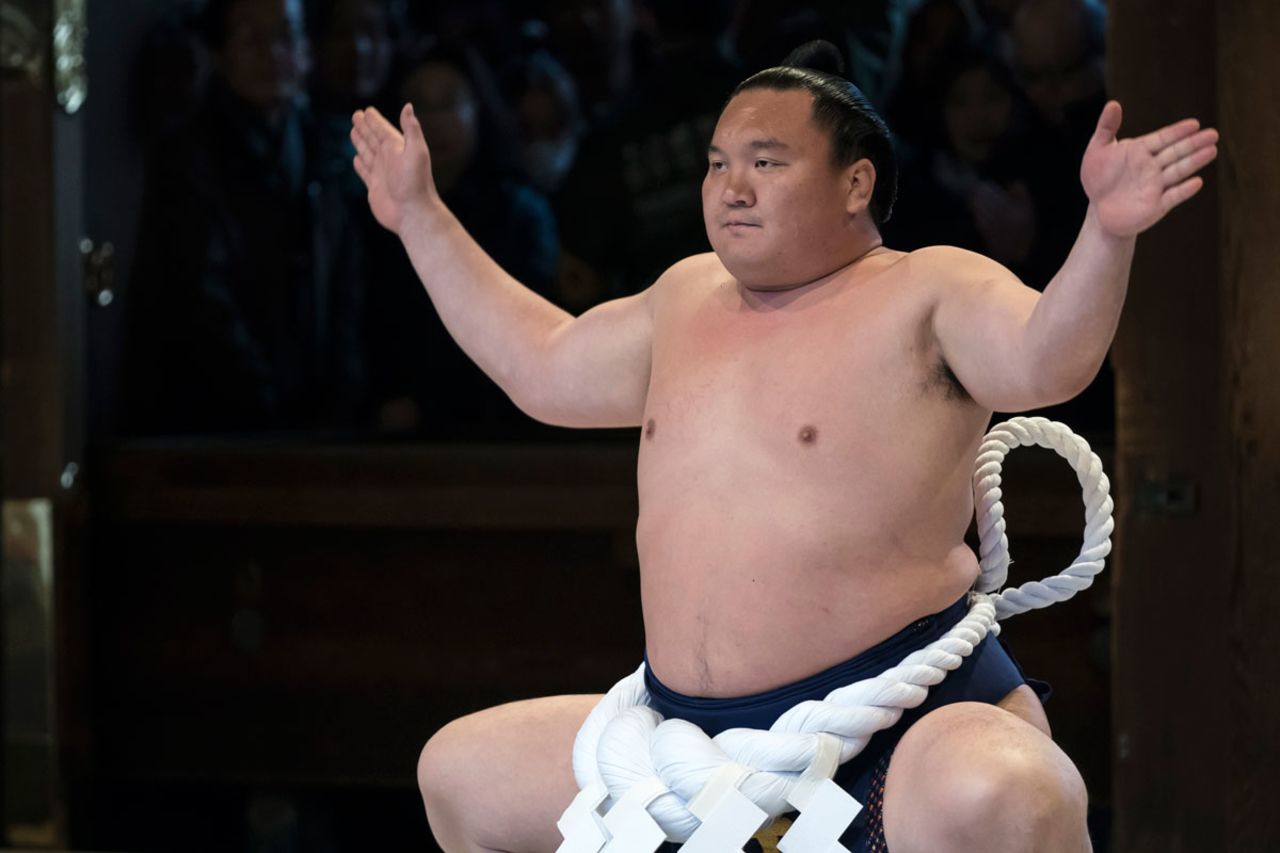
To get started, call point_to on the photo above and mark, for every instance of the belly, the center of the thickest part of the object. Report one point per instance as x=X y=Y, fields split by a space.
x=757 y=572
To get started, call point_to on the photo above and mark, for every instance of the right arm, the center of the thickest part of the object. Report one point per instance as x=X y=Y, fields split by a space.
x=589 y=371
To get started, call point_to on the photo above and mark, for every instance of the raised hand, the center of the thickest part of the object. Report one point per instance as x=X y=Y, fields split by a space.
x=1133 y=183
x=395 y=166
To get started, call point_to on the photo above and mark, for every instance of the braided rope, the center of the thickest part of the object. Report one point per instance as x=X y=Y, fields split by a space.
x=994 y=548
x=643 y=778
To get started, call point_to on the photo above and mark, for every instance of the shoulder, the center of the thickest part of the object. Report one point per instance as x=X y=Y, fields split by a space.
x=702 y=269
x=683 y=281
x=950 y=265
x=948 y=275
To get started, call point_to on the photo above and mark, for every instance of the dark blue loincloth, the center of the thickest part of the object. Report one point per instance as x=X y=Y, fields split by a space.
x=987 y=675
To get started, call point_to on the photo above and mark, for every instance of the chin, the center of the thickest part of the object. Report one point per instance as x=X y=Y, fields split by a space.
x=753 y=275
x=754 y=267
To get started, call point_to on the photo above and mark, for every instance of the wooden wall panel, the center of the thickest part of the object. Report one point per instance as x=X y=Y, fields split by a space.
x=1197 y=359
x=1249 y=110
x=1174 y=495
x=288 y=655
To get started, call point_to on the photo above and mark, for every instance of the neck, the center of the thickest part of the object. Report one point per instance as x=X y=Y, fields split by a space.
x=871 y=247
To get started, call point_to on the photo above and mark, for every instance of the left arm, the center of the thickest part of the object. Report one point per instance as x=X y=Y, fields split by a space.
x=1014 y=349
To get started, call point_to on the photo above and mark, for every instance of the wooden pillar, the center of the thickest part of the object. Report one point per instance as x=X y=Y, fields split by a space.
x=1197 y=358
x=1249 y=114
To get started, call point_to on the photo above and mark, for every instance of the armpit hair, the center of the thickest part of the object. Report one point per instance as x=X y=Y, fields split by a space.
x=945 y=378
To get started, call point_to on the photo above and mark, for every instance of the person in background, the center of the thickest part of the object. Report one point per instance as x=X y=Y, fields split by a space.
x=168 y=78
x=967 y=184
x=642 y=164
x=245 y=304
x=936 y=30
x=550 y=119
x=353 y=50
x=353 y=54
x=1058 y=57
x=478 y=173
x=595 y=39
x=1058 y=50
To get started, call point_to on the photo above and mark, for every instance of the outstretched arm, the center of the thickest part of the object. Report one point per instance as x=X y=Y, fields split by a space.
x=1015 y=349
x=587 y=371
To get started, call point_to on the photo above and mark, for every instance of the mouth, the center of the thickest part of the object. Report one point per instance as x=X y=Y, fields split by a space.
x=739 y=225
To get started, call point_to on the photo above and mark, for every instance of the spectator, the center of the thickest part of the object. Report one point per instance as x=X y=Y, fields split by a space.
x=936 y=30
x=550 y=120
x=1058 y=49
x=644 y=166
x=967 y=186
x=245 y=306
x=997 y=19
x=169 y=76
x=475 y=167
x=416 y=364
x=1059 y=60
x=353 y=53
x=595 y=39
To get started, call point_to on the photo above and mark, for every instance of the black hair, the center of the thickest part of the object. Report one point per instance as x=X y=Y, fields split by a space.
x=839 y=107
x=319 y=16
x=212 y=23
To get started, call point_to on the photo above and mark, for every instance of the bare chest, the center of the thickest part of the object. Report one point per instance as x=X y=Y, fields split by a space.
x=821 y=373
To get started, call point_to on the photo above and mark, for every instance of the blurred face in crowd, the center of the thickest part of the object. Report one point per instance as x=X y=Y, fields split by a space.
x=1051 y=50
x=976 y=113
x=593 y=39
x=264 y=59
x=549 y=136
x=934 y=26
x=354 y=59
x=446 y=106
x=590 y=31
x=999 y=9
x=778 y=211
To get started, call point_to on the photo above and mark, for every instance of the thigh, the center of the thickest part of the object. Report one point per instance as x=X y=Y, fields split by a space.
x=502 y=776
x=1023 y=702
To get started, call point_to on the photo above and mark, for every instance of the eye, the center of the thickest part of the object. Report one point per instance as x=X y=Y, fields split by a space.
x=716 y=165
x=765 y=164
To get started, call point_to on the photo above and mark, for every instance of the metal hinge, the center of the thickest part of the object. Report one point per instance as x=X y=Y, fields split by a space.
x=99 y=271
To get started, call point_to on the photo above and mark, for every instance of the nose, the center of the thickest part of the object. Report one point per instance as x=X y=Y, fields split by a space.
x=737 y=191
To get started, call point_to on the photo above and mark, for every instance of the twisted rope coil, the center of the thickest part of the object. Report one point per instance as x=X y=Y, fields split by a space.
x=644 y=779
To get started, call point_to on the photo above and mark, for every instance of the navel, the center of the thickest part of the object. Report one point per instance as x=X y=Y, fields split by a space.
x=808 y=434
x=649 y=428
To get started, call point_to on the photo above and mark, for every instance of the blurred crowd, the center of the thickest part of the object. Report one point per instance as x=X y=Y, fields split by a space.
x=569 y=137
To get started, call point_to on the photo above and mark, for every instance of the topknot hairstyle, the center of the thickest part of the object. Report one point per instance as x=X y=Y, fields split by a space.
x=839 y=107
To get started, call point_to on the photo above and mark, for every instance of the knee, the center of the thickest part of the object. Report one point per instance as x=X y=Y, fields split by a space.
x=440 y=764
x=986 y=776
x=1024 y=792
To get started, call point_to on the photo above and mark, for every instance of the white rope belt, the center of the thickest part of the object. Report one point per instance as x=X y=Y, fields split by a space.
x=645 y=780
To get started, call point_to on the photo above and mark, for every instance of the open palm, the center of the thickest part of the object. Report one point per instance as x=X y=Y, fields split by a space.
x=1133 y=183
x=395 y=166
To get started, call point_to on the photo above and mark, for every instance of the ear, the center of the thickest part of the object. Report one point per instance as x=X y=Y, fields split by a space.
x=860 y=178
